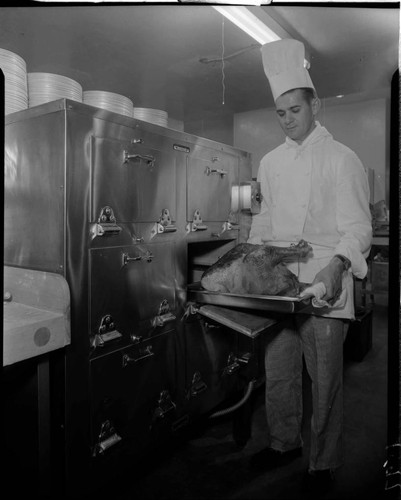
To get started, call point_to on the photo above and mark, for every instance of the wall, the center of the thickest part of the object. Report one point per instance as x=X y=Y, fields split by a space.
x=218 y=129
x=359 y=122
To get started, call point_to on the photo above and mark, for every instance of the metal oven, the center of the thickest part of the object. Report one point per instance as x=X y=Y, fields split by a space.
x=130 y=214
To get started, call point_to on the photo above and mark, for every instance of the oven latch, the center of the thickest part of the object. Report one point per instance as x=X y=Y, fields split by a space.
x=164 y=316
x=164 y=224
x=197 y=223
x=106 y=224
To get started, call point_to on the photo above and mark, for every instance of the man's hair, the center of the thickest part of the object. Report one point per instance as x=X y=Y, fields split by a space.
x=309 y=94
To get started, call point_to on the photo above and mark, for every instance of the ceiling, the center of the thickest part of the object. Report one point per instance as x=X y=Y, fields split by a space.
x=170 y=57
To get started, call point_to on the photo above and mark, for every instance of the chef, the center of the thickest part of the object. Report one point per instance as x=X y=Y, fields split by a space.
x=314 y=188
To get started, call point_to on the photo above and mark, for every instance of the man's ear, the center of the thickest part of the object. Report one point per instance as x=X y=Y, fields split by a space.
x=316 y=106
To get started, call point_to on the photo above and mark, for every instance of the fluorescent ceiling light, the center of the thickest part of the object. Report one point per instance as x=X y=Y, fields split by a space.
x=249 y=23
x=252 y=25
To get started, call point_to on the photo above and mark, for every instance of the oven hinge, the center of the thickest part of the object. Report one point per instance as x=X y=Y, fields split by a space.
x=165 y=405
x=106 y=332
x=197 y=223
x=227 y=226
x=392 y=467
x=107 y=437
x=190 y=310
x=234 y=363
x=164 y=315
x=164 y=224
x=106 y=224
x=197 y=386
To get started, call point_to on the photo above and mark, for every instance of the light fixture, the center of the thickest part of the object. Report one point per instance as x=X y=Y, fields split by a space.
x=249 y=23
x=252 y=25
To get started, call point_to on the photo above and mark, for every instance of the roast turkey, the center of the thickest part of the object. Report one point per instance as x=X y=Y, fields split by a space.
x=256 y=269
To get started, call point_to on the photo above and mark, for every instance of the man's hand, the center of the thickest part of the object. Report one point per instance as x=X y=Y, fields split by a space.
x=331 y=276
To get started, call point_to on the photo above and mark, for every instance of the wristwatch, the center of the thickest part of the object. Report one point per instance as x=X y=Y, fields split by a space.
x=346 y=262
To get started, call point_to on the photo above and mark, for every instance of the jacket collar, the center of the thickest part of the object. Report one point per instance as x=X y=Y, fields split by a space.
x=316 y=135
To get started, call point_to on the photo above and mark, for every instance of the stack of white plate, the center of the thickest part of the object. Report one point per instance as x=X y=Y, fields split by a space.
x=110 y=101
x=15 y=81
x=46 y=87
x=156 y=116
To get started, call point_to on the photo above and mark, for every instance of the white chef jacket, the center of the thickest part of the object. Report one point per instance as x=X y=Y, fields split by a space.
x=317 y=191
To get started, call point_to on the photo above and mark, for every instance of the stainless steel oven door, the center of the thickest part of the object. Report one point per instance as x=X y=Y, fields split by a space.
x=132 y=395
x=137 y=181
x=209 y=182
x=135 y=285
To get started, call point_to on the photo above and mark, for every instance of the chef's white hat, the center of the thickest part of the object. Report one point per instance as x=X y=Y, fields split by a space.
x=283 y=62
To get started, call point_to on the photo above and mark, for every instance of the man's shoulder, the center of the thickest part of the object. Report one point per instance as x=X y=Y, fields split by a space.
x=338 y=146
x=277 y=151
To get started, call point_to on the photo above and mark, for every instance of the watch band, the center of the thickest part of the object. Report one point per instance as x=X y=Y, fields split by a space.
x=346 y=262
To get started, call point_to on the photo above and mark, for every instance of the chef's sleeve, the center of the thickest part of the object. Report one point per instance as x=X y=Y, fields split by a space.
x=353 y=215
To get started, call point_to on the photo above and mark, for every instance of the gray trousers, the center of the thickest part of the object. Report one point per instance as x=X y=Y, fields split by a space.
x=320 y=340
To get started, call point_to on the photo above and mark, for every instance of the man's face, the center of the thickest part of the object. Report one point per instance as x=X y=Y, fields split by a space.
x=296 y=114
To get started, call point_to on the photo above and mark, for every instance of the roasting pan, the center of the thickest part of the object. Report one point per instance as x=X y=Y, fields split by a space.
x=272 y=303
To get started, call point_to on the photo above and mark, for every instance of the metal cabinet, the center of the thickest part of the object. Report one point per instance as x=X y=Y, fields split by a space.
x=108 y=202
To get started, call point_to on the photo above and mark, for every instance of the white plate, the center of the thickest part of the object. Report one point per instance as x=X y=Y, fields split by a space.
x=46 y=87
x=110 y=101
x=15 y=81
x=155 y=116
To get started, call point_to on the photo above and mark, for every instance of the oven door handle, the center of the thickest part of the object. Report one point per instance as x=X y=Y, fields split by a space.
x=136 y=156
x=127 y=259
x=218 y=171
x=147 y=352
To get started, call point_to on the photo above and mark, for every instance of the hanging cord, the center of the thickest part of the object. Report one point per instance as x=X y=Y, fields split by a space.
x=223 y=76
x=206 y=60
x=243 y=400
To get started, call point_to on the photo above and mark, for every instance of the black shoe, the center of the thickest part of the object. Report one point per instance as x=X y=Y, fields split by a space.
x=317 y=482
x=268 y=458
